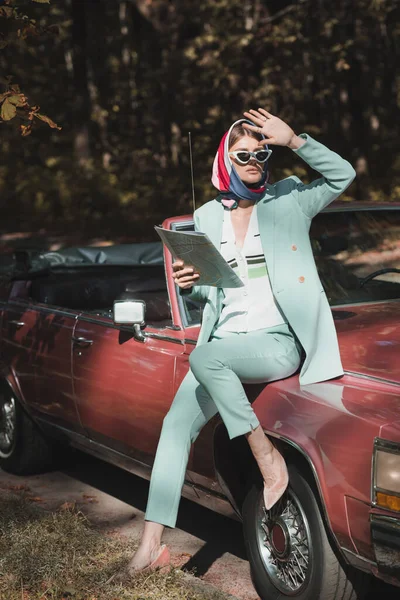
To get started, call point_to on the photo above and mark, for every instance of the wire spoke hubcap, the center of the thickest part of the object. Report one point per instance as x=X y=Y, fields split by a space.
x=7 y=424
x=284 y=542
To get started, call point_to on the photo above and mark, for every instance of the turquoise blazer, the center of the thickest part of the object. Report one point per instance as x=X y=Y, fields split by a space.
x=284 y=216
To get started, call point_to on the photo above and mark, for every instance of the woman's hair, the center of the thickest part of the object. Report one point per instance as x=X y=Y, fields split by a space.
x=239 y=131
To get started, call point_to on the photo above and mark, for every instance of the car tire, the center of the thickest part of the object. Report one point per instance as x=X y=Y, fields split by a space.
x=23 y=448
x=289 y=551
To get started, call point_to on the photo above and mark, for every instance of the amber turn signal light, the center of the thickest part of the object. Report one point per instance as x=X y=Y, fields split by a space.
x=388 y=501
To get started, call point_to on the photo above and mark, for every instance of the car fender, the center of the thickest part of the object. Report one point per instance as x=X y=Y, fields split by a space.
x=322 y=423
x=9 y=377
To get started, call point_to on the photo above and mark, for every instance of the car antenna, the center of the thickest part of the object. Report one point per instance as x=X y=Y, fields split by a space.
x=191 y=169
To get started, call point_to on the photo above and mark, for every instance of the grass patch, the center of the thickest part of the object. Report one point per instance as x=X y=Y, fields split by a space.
x=60 y=556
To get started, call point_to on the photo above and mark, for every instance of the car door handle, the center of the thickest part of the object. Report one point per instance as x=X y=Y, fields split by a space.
x=81 y=341
x=17 y=323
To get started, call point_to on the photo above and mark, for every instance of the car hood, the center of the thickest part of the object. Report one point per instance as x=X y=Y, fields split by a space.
x=369 y=339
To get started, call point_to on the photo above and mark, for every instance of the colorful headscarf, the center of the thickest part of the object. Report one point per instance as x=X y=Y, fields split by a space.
x=226 y=179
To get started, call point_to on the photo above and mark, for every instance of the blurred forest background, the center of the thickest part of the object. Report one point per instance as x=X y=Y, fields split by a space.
x=127 y=79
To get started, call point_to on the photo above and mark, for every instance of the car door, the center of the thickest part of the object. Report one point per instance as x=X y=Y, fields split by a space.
x=37 y=342
x=124 y=387
x=18 y=346
x=54 y=395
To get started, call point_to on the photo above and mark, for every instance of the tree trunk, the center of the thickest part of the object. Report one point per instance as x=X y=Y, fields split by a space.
x=82 y=108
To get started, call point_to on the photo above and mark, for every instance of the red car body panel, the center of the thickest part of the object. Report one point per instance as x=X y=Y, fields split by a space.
x=124 y=388
x=357 y=515
x=369 y=339
x=53 y=358
x=324 y=421
x=17 y=347
x=36 y=347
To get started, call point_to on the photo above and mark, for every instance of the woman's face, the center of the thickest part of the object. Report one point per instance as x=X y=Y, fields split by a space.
x=252 y=172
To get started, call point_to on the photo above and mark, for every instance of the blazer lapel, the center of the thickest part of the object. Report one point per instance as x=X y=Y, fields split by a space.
x=266 y=225
x=215 y=219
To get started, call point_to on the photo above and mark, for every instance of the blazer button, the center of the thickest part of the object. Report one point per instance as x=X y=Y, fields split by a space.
x=301 y=279
x=294 y=247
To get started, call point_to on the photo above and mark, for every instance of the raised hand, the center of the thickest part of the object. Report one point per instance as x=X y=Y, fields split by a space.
x=184 y=275
x=276 y=131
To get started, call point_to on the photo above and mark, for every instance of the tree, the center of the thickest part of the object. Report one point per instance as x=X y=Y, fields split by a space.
x=16 y=28
x=129 y=79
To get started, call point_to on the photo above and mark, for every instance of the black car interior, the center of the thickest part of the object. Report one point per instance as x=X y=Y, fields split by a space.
x=94 y=290
x=90 y=279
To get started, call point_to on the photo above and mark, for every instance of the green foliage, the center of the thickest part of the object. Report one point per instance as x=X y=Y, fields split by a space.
x=129 y=79
x=16 y=27
x=13 y=104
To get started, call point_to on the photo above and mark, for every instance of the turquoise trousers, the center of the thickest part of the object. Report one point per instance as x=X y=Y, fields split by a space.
x=214 y=384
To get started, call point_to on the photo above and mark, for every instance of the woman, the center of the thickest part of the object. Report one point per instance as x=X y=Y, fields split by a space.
x=255 y=333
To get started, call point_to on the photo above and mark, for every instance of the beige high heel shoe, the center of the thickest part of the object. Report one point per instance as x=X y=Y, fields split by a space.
x=277 y=489
x=163 y=560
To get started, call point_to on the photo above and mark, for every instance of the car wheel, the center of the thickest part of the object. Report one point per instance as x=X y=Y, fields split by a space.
x=23 y=448
x=289 y=551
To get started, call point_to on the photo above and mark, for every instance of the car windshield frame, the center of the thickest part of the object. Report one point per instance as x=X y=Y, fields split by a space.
x=191 y=311
x=368 y=242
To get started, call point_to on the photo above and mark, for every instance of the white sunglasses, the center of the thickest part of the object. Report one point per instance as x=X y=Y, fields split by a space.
x=244 y=156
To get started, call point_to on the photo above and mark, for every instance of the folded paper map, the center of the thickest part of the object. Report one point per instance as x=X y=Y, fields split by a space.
x=198 y=251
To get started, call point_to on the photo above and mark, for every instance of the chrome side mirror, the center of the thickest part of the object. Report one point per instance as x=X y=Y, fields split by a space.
x=129 y=311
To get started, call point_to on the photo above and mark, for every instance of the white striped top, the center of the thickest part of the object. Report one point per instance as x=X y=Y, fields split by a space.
x=253 y=306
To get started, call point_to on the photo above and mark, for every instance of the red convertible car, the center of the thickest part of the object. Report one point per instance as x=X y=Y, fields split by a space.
x=72 y=374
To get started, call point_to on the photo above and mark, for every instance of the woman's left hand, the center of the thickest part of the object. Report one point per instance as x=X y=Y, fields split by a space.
x=276 y=131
